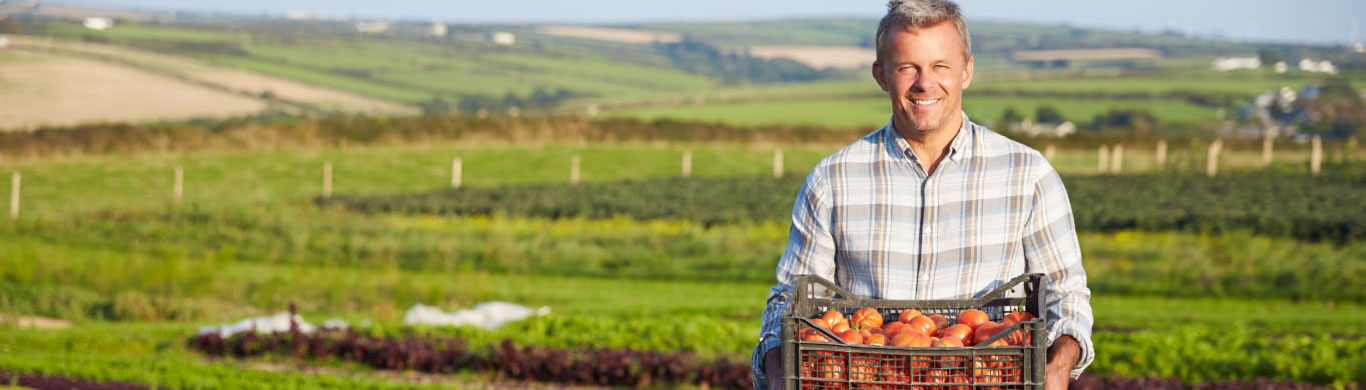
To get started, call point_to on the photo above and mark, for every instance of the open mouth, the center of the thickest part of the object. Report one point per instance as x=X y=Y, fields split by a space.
x=925 y=102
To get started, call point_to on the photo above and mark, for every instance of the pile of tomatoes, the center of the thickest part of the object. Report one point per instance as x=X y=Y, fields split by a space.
x=875 y=369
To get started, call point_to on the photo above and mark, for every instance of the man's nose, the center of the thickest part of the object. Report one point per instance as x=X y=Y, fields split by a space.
x=921 y=83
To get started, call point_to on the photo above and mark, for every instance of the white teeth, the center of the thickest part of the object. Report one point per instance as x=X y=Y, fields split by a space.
x=924 y=102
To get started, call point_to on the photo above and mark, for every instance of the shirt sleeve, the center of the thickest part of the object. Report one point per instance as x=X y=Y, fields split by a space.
x=810 y=250
x=1050 y=247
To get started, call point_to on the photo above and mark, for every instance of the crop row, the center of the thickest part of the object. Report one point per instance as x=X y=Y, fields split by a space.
x=598 y=367
x=1299 y=206
x=53 y=382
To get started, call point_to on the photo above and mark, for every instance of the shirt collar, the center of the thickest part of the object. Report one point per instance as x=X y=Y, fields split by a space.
x=959 y=148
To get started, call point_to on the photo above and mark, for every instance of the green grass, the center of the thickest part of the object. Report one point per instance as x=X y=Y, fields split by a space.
x=234 y=180
x=1248 y=83
x=873 y=112
x=123 y=33
x=249 y=179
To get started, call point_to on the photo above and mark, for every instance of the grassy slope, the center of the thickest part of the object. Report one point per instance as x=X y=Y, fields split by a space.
x=414 y=70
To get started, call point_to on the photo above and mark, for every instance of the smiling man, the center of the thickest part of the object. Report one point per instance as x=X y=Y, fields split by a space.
x=933 y=206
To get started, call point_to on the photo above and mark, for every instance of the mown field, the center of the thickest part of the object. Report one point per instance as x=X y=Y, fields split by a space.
x=99 y=243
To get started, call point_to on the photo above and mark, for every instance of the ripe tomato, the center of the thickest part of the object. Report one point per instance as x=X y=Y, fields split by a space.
x=972 y=318
x=832 y=317
x=910 y=338
x=876 y=339
x=907 y=314
x=892 y=328
x=852 y=336
x=957 y=331
x=867 y=317
x=922 y=324
x=985 y=331
x=939 y=321
x=840 y=327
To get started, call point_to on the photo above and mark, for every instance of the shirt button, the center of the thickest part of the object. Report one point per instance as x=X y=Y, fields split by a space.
x=929 y=230
x=924 y=276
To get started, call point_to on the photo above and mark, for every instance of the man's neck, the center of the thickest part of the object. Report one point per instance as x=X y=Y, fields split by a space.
x=930 y=147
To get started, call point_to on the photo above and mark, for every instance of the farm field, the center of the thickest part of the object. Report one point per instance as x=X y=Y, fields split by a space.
x=129 y=239
x=408 y=71
x=226 y=78
x=55 y=90
x=138 y=276
x=246 y=179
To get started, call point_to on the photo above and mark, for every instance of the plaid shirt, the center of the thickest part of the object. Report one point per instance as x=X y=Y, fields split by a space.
x=871 y=219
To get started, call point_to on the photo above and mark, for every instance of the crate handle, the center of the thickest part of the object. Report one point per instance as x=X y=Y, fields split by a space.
x=999 y=291
x=806 y=282
x=823 y=330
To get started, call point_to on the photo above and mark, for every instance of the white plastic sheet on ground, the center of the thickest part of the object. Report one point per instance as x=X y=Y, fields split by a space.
x=488 y=315
x=264 y=324
x=268 y=324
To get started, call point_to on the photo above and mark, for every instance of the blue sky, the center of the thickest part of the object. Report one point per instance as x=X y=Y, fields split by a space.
x=1310 y=21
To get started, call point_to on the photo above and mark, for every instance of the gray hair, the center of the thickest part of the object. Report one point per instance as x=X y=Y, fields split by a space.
x=921 y=14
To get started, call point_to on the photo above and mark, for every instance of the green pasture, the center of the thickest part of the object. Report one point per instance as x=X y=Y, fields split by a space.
x=873 y=112
x=227 y=180
x=127 y=32
x=247 y=179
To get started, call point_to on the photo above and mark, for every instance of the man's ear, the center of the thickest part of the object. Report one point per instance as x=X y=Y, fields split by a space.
x=967 y=74
x=879 y=75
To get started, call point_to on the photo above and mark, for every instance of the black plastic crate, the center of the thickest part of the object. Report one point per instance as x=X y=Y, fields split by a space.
x=816 y=365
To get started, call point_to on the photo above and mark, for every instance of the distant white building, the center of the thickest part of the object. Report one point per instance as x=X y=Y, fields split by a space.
x=1281 y=67
x=1225 y=64
x=1063 y=129
x=504 y=38
x=98 y=24
x=438 y=29
x=1324 y=66
x=374 y=27
x=4 y=42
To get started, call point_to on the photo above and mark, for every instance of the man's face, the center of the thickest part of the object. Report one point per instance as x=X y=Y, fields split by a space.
x=924 y=73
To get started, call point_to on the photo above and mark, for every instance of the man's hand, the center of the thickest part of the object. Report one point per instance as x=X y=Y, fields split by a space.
x=1062 y=358
x=773 y=369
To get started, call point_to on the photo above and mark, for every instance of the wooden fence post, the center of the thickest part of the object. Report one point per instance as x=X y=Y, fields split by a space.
x=1049 y=152
x=327 y=180
x=687 y=163
x=179 y=188
x=1212 y=162
x=1117 y=159
x=14 y=196
x=457 y=170
x=574 y=170
x=778 y=163
x=1161 y=154
x=1103 y=157
x=1268 y=141
x=1316 y=154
